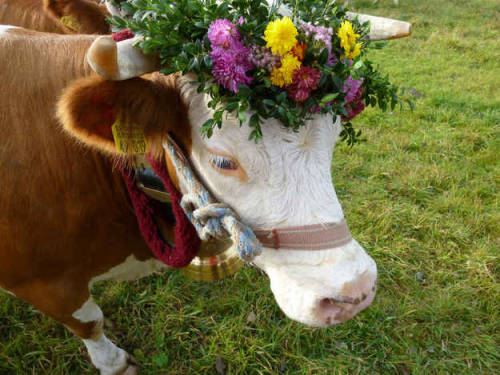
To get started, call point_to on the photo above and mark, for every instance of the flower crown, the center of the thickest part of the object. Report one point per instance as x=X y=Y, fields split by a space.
x=250 y=58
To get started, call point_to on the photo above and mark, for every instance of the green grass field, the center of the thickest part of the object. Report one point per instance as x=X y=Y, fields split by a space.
x=421 y=195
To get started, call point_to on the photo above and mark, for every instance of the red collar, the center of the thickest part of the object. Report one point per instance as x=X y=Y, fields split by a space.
x=187 y=242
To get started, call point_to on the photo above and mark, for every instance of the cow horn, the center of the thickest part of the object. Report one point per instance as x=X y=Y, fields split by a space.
x=120 y=61
x=383 y=28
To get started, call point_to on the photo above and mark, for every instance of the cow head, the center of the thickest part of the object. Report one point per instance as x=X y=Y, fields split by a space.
x=283 y=180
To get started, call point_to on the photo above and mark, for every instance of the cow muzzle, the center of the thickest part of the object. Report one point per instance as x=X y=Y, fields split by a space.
x=321 y=288
x=353 y=297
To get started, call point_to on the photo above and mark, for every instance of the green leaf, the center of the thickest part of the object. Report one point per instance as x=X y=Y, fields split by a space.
x=269 y=102
x=328 y=98
x=241 y=115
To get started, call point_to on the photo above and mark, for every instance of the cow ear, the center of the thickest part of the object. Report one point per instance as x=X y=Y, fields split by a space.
x=90 y=106
x=79 y=16
x=88 y=109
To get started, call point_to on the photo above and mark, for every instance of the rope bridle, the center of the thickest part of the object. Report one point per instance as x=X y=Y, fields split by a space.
x=213 y=219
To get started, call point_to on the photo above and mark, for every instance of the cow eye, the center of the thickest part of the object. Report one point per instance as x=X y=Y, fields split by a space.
x=224 y=163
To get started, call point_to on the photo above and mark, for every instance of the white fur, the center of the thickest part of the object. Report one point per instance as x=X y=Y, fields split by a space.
x=289 y=184
x=131 y=269
x=5 y=28
x=106 y=356
x=89 y=312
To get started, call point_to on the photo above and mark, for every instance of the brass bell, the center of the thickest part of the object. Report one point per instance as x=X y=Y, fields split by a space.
x=216 y=260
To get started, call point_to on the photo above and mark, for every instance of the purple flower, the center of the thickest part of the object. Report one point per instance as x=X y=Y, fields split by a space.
x=319 y=33
x=230 y=56
x=262 y=57
x=354 y=103
x=351 y=89
x=222 y=33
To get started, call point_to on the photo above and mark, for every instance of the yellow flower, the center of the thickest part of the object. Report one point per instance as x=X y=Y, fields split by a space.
x=280 y=36
x=348 y=40
x=284 y=74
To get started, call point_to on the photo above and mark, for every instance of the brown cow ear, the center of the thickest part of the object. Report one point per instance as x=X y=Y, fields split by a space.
x=88 y=109
x=90 y=106
x=79 y=16
x=61 y=10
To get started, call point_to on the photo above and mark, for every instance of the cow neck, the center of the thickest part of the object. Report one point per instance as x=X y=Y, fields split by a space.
x=148 y=211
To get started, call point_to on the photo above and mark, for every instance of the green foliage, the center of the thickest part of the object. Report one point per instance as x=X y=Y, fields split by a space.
x=177 y=31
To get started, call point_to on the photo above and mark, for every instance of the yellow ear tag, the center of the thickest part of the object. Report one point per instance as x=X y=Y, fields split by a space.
x=71 y=23
x=129 y=138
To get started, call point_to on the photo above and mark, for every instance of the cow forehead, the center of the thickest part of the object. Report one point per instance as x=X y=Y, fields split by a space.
x=317 y=136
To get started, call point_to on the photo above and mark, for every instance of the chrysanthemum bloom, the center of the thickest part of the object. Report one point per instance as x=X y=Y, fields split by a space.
x=319 y=33
x=283 y=75
x=348 y=40
x=280 y=36
x=222 y=33
x=262 y=57
x=231 y=65
x=304 y=82
x=354 y=103
x=351 y=89
x=299 y=50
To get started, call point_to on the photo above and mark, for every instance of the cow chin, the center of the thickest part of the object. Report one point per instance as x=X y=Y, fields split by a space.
x=321 y=288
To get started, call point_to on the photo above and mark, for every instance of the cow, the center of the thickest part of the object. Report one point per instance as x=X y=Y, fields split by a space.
x=66 y=220
x=57 y=16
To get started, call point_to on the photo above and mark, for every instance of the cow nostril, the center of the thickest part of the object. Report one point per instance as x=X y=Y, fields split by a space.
x=341 y=299
x=331 y=310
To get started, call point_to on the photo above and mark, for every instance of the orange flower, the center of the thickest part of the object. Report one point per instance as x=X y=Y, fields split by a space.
x=299 y=50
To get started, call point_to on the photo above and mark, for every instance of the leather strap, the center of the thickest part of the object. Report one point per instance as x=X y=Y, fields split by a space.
x=308 y=237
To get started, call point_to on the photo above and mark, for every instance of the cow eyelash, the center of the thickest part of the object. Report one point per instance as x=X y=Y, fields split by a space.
x=223 y=163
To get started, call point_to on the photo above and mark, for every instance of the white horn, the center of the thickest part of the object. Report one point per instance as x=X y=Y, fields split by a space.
x=383 y=28
x=120 y=61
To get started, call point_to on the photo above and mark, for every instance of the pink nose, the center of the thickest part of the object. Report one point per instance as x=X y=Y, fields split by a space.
x=353 y=297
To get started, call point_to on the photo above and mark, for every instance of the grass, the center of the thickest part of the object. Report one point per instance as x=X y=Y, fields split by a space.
x=421 y=195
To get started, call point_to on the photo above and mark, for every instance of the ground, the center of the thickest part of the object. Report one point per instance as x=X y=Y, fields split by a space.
x=421 y=195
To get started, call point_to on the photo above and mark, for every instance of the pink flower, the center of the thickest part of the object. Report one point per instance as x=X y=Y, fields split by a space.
x=304 y=82
x=300 y=96
x=319 y=33
x=354 y=103
x=230 y=70
x=222 y=33
x=229 y=55
x=351 y=89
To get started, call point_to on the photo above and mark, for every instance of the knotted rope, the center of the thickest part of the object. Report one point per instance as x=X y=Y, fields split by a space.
x=210 y=218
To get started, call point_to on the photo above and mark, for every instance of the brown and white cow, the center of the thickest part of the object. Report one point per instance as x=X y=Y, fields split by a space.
x=56 y=16
x=66 y=221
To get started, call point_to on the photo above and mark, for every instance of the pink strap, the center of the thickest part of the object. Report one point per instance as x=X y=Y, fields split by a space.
x=308 y=237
